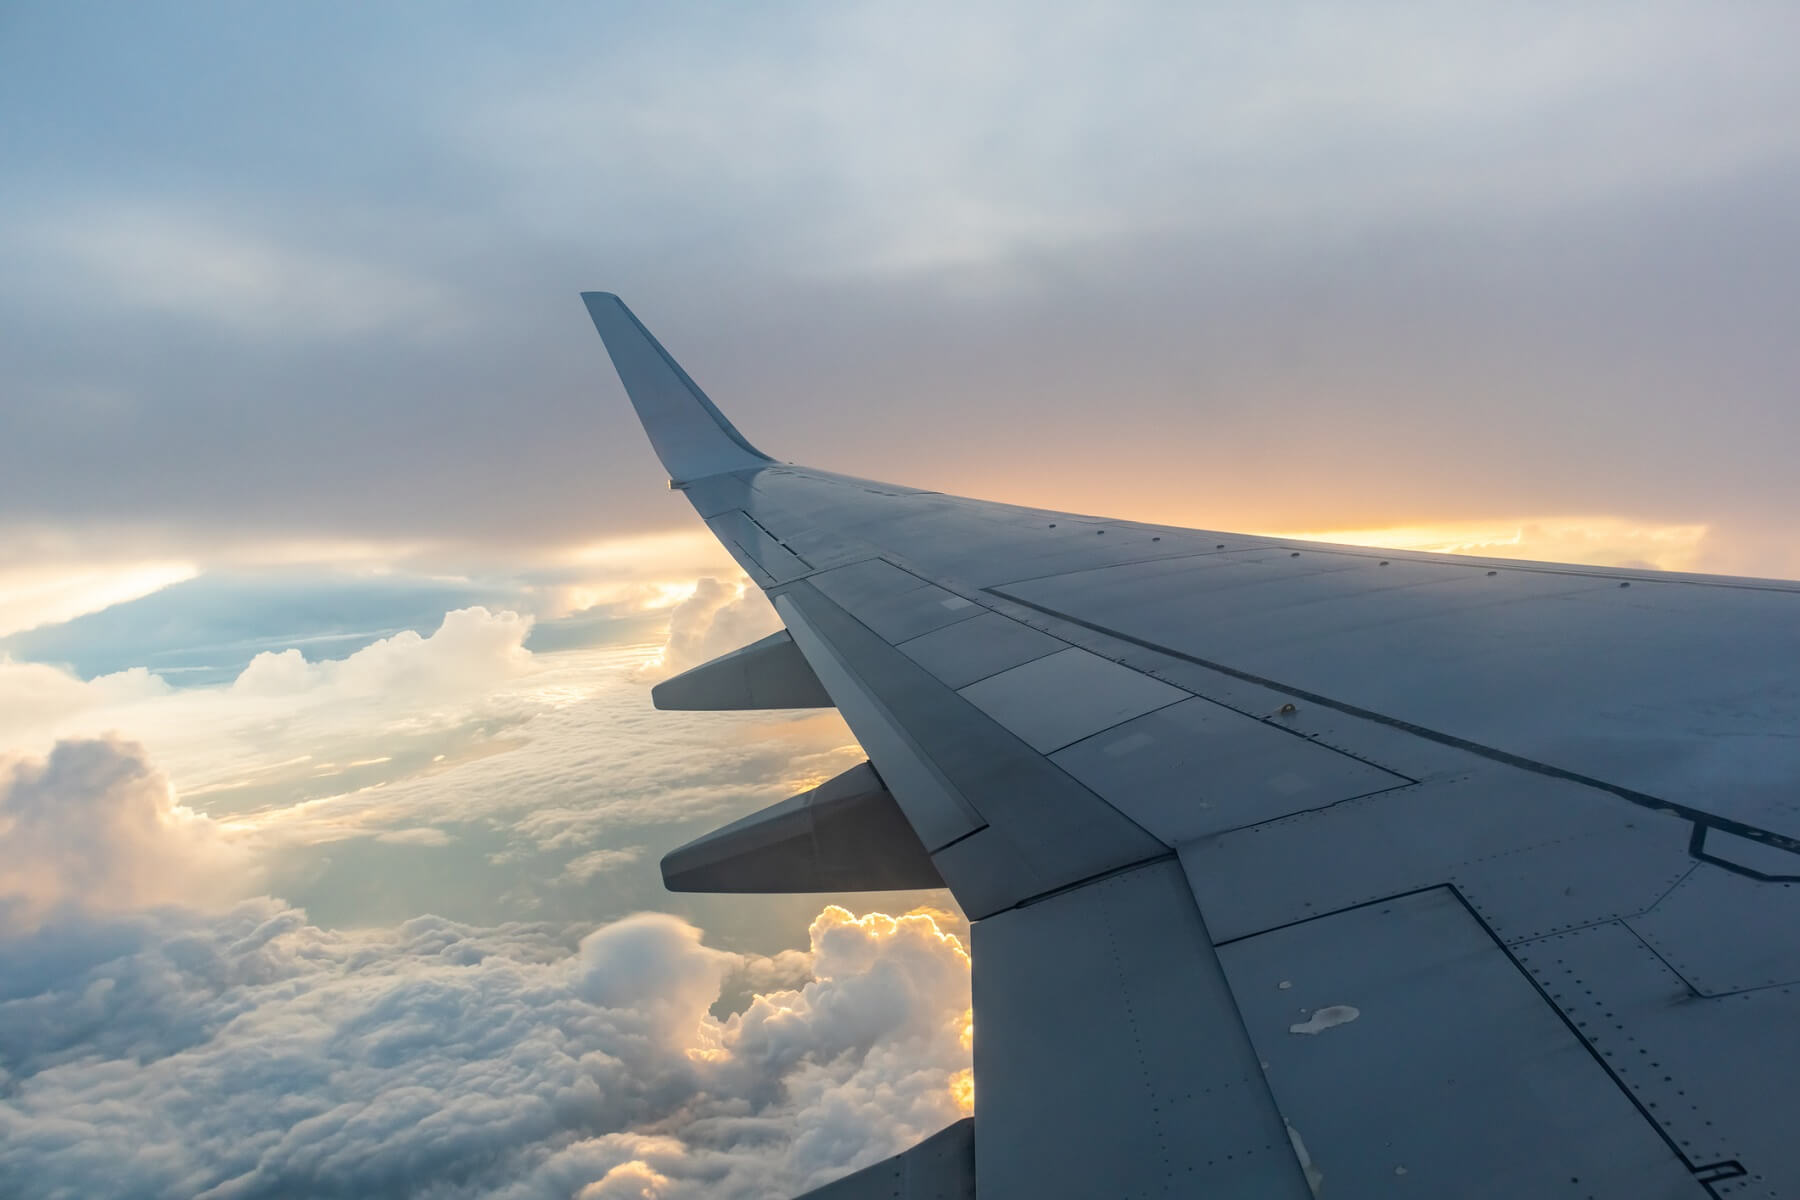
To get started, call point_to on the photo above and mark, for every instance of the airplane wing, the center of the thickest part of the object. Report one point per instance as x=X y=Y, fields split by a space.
x=1294 y=869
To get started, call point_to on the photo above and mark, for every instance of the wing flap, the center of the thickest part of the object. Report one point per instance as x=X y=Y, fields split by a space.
x=1110 y=1059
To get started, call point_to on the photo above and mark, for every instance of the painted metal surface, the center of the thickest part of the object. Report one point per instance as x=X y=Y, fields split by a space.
x=1064 y=697
x=984 y=645
x=1531 y=857
x=893 y=603
x=768 y=673
x=1002 y=822
x=933 y=805
x=1724 y=933
x=1684 y=692
x=691 y=436
x=1414 y=1058
x=942 y=1167
x=1600 y=764
x=846 y=835
x=1109 y=1057
x=764 y=557
x=1716 y=1075
x=1198 y=768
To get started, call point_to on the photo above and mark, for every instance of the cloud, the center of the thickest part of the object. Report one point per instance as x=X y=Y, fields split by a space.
x=584 y=867
x=1594 y=540
x=290 y=729
x=37 y=695
x=1327 y=243
x=47 y=593
x=414 y=837
x=472 y=649
x=552 y=766
x=94 y=827
x=253 y=1054
x=247 y=282
x=719 y=617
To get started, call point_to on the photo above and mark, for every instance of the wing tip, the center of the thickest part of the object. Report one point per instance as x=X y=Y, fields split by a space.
x=691 y=436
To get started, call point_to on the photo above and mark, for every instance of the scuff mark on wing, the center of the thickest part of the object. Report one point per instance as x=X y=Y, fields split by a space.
x=1315 y=1178
x=1324 y=1018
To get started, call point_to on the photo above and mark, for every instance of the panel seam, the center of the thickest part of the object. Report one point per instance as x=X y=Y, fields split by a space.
x=1641 y=799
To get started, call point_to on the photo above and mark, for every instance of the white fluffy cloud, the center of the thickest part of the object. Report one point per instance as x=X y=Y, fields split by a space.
x=95 y=827
x=717 y=618
x=152 y=1046
x=473 y=648
x=37 y=695
x=169 y=1054
x=289 y=729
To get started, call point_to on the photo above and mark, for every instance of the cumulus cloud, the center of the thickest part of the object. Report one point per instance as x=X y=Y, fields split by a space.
x=241 y=1051
x=289 y=729
x=473 y=648
x=95 y=827
x=253 y=1054
x=718 y=617
x=38 y=694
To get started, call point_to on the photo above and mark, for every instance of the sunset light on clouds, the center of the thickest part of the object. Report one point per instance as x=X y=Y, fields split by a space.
x=335 y=570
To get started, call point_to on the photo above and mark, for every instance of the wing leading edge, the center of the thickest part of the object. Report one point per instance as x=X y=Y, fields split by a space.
x=1290 y=862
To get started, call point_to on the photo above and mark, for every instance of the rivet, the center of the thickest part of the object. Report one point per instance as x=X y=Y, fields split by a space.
x=1295 y=554
x=1626 y=583
x=1053 y=524
x=1384 y=562
x=1156 y=539
x=1285 y=709
x=1493 y=572
x=1099 y=531
x=1220 y=546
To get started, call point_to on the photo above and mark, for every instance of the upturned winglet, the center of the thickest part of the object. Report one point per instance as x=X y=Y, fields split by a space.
x=690 y=434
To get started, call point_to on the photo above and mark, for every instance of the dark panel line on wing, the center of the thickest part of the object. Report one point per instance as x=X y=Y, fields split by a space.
x=1700 y=817
x=1569 y=1022
x=974 y=594
x=1625 y=923
x=776 y=538
x=1538 y=568
x=1133 y=562
x=1097 y=877
x=1418 y=891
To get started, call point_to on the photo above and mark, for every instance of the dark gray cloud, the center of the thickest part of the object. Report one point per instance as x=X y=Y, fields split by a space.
x=279 y=276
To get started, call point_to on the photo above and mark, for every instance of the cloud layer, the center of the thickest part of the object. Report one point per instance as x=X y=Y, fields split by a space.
x=169 y=1054
x=1417 y=265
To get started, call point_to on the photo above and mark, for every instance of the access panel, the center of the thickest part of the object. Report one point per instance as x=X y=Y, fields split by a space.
x=1412 y=1057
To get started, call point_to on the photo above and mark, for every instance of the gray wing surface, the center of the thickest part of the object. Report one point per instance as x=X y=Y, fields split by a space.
x=1299 y=869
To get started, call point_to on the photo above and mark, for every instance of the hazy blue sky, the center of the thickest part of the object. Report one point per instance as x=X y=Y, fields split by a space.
x=334 y=569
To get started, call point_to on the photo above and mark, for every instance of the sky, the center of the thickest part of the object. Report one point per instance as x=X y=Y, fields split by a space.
x=334 y=569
